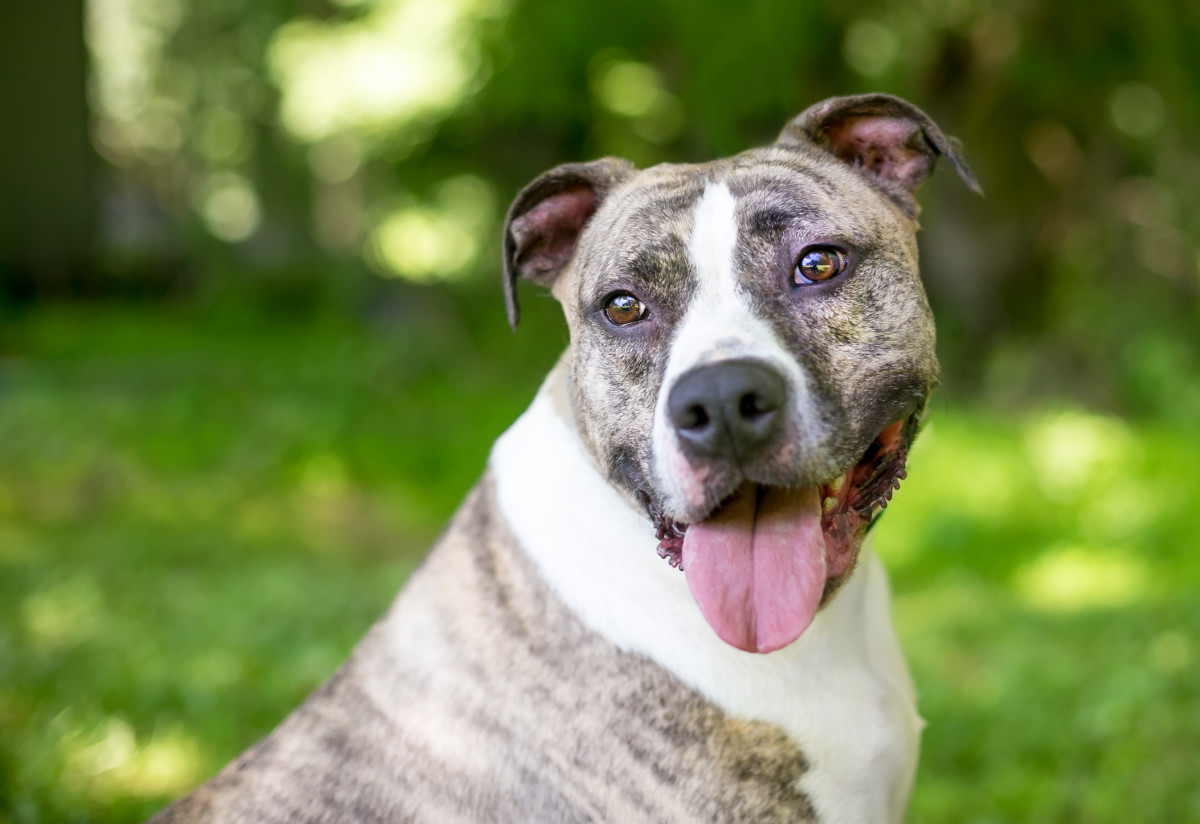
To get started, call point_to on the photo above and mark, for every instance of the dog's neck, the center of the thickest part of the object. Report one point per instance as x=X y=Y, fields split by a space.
x=842 y=691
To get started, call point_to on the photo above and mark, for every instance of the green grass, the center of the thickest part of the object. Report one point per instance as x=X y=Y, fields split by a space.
x=1045 y=570
x=200 y=514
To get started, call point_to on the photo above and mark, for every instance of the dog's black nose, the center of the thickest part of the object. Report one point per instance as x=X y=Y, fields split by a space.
x=729 y=409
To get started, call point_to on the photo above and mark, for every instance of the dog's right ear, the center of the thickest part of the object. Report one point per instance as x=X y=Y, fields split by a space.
x=545 y=220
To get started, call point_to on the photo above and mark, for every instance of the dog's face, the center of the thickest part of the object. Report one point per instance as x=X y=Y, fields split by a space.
x=751 y=346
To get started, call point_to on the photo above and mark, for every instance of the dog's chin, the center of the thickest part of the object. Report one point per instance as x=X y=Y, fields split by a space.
x=766 y=556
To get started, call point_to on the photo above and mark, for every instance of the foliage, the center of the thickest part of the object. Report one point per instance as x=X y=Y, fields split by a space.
x=393 y=131
x=201 y=512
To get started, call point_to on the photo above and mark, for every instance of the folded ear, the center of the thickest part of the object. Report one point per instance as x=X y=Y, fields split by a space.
x=890 y=140
x=547 y=217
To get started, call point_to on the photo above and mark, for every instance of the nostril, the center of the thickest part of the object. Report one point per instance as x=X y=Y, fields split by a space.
x=694 y=417
x=748 y=407
x=752 y=405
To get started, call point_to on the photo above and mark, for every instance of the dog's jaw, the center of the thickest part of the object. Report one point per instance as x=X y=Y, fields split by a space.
x=850 y=502
x=861 y=739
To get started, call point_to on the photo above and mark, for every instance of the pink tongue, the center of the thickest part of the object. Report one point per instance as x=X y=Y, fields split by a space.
x=757 y=566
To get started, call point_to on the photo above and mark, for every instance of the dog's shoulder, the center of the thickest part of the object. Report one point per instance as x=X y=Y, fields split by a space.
x=481 y=697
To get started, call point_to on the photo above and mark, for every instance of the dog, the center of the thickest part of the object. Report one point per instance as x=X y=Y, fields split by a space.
x=655 y=604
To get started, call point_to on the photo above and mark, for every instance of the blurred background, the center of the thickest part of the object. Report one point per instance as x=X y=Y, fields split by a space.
x=253 y=353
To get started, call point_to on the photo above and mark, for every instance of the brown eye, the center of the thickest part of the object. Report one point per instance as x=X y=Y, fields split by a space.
x=623 y=308
x=818 y=264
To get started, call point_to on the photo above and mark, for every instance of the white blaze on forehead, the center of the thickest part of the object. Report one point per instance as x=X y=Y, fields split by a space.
x=719 y=323
x=714 y=239
x=718 y=317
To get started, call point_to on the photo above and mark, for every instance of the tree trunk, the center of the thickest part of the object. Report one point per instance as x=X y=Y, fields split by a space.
x=47 y=202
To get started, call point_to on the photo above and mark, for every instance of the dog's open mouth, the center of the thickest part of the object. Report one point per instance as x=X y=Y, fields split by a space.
x=762 y=563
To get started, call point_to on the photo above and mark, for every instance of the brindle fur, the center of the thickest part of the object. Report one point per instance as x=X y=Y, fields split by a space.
x=479 y=697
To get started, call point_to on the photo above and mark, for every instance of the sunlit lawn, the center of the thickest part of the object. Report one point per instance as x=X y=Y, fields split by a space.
x=200 y=514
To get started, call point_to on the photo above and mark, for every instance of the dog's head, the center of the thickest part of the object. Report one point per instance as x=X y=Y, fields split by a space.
x=751 y=346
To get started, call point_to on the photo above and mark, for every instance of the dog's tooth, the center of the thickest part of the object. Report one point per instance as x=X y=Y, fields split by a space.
x=835 y=486
x=829 y=504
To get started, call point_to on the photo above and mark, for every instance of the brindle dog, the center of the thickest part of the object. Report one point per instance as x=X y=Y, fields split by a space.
x=751 y=349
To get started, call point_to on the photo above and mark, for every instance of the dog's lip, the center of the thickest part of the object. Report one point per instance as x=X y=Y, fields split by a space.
x=892 y=441
x=850 y=501
x=873 y=479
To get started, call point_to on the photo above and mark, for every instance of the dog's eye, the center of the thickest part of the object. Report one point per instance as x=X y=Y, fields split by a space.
x=623 y=308
x=819 y=263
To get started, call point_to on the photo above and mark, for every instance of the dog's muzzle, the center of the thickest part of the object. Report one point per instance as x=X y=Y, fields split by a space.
x=771 y=545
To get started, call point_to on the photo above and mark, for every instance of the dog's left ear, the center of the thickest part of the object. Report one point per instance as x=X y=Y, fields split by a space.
x=547 y=217
x=890 y=140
